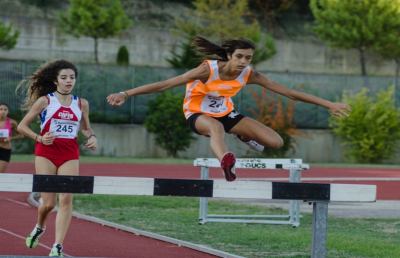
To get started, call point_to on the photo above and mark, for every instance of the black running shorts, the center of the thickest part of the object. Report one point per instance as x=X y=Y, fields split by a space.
x=5 y=154
x=228 y=121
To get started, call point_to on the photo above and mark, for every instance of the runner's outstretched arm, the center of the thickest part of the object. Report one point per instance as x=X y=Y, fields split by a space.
x=200 y=72
x=335 y=108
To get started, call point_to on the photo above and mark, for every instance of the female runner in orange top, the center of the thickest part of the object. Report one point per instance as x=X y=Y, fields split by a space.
x=208 y=106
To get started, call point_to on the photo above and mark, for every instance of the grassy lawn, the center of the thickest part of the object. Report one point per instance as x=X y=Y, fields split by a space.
x=177 y=217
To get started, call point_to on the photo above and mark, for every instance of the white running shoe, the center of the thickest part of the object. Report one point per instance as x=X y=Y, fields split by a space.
x=253 y=144
x=56 y=251
x=32 y=240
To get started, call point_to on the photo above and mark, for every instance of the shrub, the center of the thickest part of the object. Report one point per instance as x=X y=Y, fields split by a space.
x=372 y=129
x=273 y=113
x=166 y=120
x=123 y=56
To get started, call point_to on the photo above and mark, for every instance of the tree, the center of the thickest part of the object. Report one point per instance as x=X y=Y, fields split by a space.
x=45 y=5
x=269 y=11
x=351 y=24
x=8 y=36
x=166 y=120
x=96 y=19
x=123 y=56
x=224 y=19
x=372 y=130
x=186 y=57
x=388 y=45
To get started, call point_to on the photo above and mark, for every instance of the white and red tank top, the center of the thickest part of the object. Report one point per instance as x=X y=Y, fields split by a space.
x=62 y=121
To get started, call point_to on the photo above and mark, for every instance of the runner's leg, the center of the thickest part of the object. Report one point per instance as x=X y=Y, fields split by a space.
x=211 y=127
x=44 y=166
x=250 y=129
x=64 y=213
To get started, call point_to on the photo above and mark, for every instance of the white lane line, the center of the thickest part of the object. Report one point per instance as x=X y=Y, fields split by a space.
x=18 y=202
x=23 y=238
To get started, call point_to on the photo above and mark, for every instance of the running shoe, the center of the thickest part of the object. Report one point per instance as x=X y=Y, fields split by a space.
x=253 y=144
x=33 y=239
x=228 y=165
x=56 y=251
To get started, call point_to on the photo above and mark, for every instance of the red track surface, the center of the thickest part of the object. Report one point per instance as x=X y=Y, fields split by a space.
x=90 y=239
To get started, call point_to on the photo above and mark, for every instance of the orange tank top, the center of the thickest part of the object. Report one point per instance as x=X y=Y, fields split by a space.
x=213 y=97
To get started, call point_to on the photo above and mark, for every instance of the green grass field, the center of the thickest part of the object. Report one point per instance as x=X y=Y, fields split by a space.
x=178 y=218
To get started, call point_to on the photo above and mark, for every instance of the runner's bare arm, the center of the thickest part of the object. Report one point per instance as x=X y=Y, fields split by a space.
x=86 y=129
x=23 y=127
x=201 y=72
x=16 y=134
x=336 y=109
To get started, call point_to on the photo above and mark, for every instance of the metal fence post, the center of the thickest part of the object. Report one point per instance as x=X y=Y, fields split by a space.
x=319 y=231
x=203 y=211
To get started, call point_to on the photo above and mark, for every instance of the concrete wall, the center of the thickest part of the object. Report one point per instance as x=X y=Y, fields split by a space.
x=41 y=40
x=313 y=146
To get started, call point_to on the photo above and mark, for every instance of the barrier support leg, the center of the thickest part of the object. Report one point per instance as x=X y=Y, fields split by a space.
x=294 y=206
x=203 y=211
x=319 y=231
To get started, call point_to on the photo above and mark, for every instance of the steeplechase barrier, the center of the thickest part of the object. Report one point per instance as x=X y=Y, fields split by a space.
x=295 y=168
x=319 y=194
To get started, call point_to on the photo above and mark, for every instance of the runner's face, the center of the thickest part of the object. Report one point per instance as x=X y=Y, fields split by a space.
x=3 y=111
x=66 y=81
x=241 y=58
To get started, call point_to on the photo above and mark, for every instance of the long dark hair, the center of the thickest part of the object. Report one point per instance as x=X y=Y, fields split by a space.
x=42 y=81
x=227 y=47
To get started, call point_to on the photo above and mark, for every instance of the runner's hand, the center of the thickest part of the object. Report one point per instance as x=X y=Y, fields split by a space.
x=47 y=138
x=340 y=110
x=91 y=143
x=116 y=99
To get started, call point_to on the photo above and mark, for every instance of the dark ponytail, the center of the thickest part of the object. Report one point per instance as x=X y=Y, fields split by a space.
x=208 y=48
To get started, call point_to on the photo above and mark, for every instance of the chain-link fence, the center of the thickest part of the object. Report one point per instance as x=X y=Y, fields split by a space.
x=96 y=82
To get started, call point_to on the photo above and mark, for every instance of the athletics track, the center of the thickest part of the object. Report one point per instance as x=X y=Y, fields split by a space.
x=88 y=239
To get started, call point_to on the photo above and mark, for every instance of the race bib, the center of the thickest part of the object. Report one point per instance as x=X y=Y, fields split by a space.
x=4 y=133
x=213 y=104
x=64 y=128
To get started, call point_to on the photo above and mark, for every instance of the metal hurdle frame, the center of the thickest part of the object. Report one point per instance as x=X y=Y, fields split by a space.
x=318 y=194
x=295 y=167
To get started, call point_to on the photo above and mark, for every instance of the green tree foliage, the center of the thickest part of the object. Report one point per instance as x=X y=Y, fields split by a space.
x=96 y=19
x=226 y=19
x=165 y=119
x=388 y=45
x=372 y=130
x=45 y=5
x=269 y=11
x=123 y=56
x=351 y=24
x=8 y=36
x=185 y=57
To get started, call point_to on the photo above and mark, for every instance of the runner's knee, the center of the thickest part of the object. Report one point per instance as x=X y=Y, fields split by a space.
x=65 y=200
x=48 y=206
x=276 y=143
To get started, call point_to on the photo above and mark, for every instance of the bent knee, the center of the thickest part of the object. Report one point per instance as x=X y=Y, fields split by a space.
x=277 y=143
x=48 y=206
